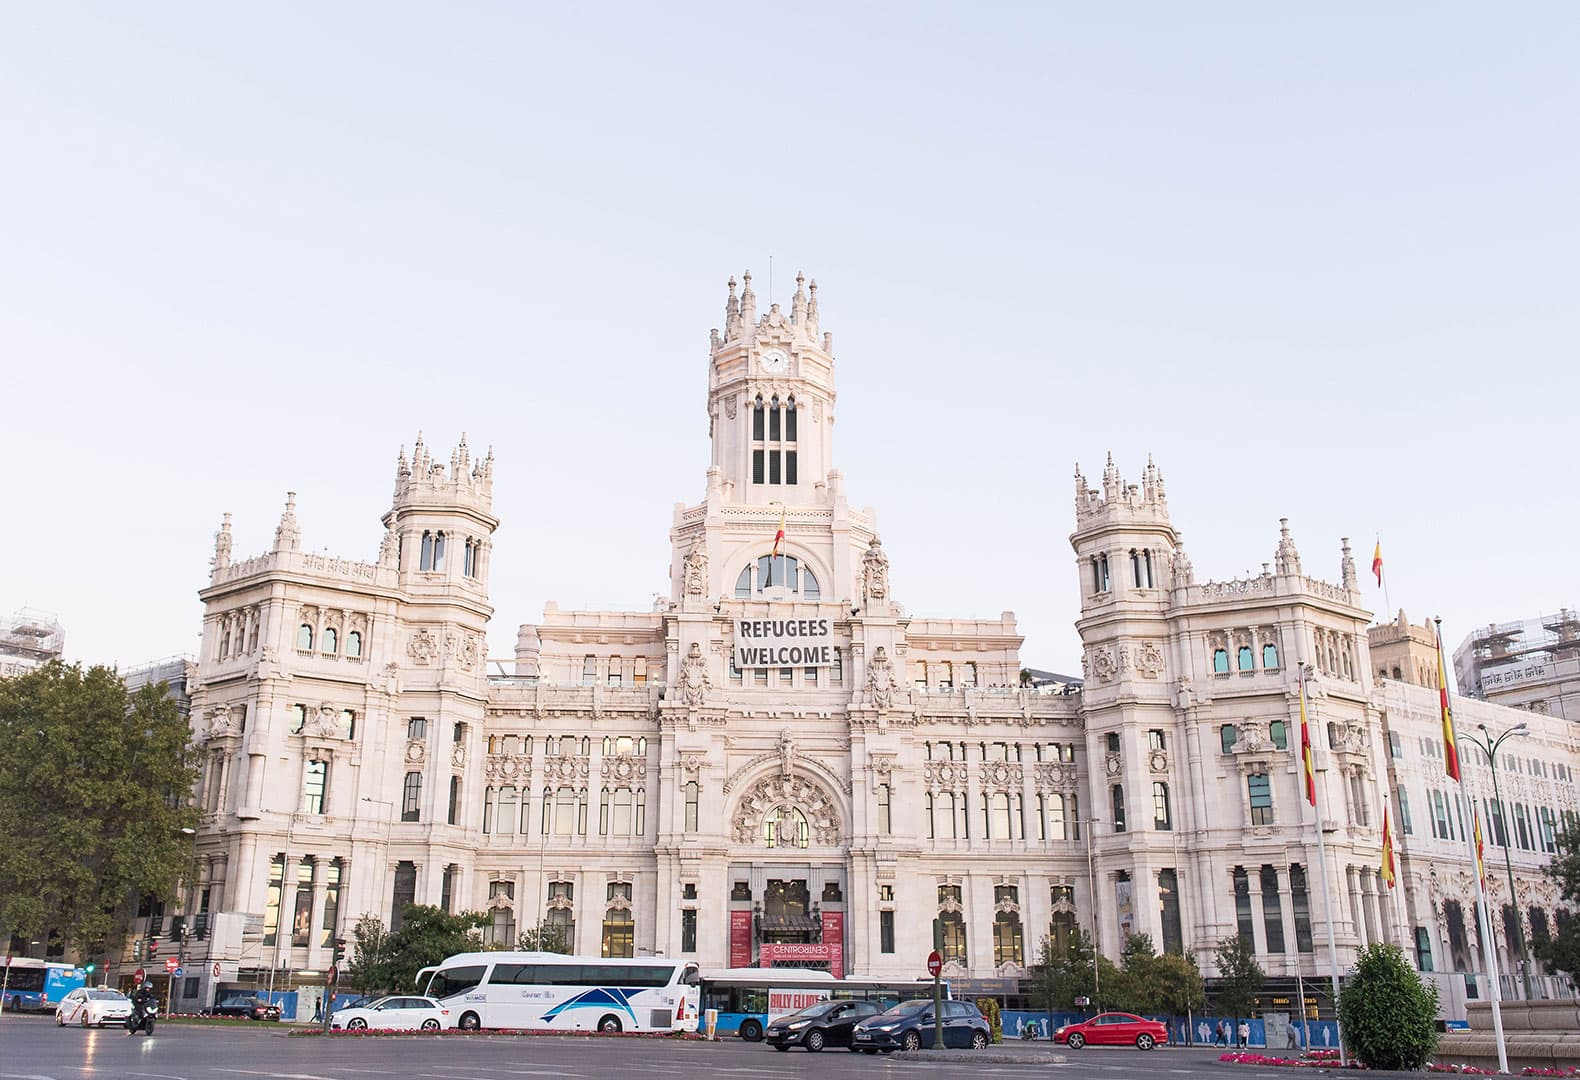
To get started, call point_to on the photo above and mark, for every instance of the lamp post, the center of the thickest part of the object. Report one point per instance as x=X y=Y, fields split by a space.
x=1091 y=888
x=1489 y=746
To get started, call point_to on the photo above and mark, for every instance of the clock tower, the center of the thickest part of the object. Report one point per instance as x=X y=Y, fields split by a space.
x=771 y=399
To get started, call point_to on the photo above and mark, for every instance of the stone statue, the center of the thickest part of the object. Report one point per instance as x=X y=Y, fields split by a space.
x=696 y=570
x=880 y=679
x=875 y=572
x=694 y=681
x=325 y=724
x=786 y=752
x=220 y=723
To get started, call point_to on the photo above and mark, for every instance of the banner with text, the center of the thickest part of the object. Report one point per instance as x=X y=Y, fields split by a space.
x=740 y=939
x=783 y=643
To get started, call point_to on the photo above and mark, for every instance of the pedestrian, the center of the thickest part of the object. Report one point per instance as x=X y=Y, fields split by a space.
x=1245 y=1035
x=318 y=1012
x=1220 y=1037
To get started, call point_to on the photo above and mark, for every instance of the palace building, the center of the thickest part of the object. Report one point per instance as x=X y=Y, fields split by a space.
x=779 y=763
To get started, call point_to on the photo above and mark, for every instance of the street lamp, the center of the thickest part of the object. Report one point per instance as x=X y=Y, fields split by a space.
x=1091 y=888
x=1489 y=746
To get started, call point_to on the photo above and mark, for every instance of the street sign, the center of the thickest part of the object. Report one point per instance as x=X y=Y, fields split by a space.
x=216 y=969
x=171 y=963
x=176 y=973
x=139 y=975
x=935 y=963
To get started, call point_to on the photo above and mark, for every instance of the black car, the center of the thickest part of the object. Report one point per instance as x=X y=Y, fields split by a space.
x=246 y=1006
x=828 y=1023
x=910 y=1026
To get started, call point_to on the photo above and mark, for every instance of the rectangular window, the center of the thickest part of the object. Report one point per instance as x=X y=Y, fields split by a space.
x=883 y=809
x=1272 y=910
x=757 y=466
x=693 y=798
x=271 y=907
x=403 y=894
x=790 y=466
x=1169 y=908
x=1227 y=737
x=417 y=728
x=688 y=930
x=455 y=800
x=1116 y=795
x=447 y=888
x=1261 y=799
x=1057 y=829
x=1162 y=819
x=1245 y=923
x=1300 y=906
x=411 y=797
x=331 y=901
x=1404 y=812
x=1423 y=949
x=315 y=783
x=773 y=423
x=589 y=670
x=886 y=931
x=1156 y=740
x=773 y=467
x=614 y=671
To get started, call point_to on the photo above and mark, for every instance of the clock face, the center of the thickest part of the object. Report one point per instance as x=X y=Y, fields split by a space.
x=773 y=361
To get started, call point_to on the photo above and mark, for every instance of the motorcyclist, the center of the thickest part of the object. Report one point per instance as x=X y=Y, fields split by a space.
x=142 y=1000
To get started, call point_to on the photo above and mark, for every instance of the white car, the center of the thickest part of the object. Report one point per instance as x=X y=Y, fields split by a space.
x=403 y=1013
x=93 y=1007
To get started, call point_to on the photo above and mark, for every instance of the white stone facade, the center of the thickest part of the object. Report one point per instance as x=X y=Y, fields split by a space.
x=620 y=777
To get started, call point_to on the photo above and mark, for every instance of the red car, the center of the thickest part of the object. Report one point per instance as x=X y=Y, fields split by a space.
x=1114 y=1029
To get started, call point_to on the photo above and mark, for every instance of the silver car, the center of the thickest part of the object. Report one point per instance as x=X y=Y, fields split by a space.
x=93 y=1007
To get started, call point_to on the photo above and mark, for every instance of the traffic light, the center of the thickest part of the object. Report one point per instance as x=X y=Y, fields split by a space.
x=340 y=950
x=137 y=950
x=87 y=969
x=153 y=947
x=178 y=930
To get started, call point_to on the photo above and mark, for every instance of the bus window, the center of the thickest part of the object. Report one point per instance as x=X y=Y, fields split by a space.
x=691 y=976
x=457 y=980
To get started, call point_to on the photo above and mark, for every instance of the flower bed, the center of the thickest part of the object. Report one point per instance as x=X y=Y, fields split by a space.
x=1329 y=1059
x=364 y=1033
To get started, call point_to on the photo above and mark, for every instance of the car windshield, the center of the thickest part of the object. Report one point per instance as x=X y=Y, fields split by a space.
x=905 y=1008
x=238 y=1000
x=376 y=1003
x=106 y=995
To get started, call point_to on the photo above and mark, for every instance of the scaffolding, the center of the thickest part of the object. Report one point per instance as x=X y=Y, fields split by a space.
x=1554 y=637
x=31 y=637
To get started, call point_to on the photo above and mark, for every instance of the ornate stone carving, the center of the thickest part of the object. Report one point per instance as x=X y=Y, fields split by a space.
x=288 y=534
x=795 y=792
x=1104 y=667
x=696 y=570
x=1001 y=775
x=221 y=557
x=220 y=722
x=463 y=647
x=389 y=549
x=416 y=750
x=507 y=767
x=874 y=572
x=562 y=767
x=624 y=767
x=730 y=407
x=948 y=905
x=694 y=681
x=880 y=680
x=423 y=647
x=1251 y=737
x=1158 y=761
x=692 y=762
x=325 y=723
x=1111 y=763
x=1149 y=660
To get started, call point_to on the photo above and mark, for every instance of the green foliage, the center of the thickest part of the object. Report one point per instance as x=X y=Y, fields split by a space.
x=1562 y=952
x=94 y=788
x=990 y=1013
x=544 y=937
x=1059 y=976
x=387 y=963
x=1179 y=986
x=366 y=969
x=1240 y=977
x=1134 y=988
x=1389 y=1014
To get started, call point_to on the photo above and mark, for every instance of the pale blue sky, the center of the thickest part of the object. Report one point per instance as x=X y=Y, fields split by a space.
x=1320 y=260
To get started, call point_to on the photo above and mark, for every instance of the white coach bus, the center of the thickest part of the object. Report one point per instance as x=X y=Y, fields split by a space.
x=553 y=992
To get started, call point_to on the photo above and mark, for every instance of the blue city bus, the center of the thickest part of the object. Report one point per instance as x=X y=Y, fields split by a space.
x=37 y=985
x=748 y=998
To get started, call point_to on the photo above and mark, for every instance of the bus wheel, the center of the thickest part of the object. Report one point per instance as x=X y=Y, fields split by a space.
x=751 y=1031
x=469 y=1022
x=610 y=1025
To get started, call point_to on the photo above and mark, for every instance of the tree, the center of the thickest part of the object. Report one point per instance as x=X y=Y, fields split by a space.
x=544 y=937
x=368 y=970
x=1240 y=977
x=428 y=935
x=1137 y=990
x=1059 y=976
x=95 y=787
x=1389 y=1014
x=1179 y=987
x=1562 y=952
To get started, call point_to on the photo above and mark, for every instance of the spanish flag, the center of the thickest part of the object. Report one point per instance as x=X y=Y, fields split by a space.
x=1306 y=764
x=1377 y=562
x=779 y=537
x=1450 y=747
x=1481 y=866
x=1387 y=850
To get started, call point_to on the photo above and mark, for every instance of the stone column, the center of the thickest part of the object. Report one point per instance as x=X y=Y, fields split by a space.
x=316 y=956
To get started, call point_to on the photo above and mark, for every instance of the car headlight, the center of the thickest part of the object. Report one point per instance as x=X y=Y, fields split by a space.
x=797 y=1026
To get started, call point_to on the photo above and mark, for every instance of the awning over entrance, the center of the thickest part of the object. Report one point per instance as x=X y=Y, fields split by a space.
x=791 y=922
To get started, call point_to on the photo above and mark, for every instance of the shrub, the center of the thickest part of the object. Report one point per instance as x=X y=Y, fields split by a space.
x=1388 y=1013
x=989 y=1007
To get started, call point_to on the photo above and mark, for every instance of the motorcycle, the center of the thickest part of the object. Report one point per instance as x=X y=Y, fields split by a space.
x=142 y=1018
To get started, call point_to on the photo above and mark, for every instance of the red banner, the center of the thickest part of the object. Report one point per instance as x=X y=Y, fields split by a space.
x=834 y=938
x=740 y=939
x=771 y=951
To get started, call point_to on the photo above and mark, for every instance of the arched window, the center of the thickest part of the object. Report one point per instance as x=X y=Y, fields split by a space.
x=469 y=558
x=1220 y=661
x=1162 y=818
x=354 y=645
x=488 y=810
x=614 y=671
x=426 y=561
x=304 y=638
x=1146 y=561
x=506 y=821
x=1008 y=944
x=438 y=552
x=693 y=801
x=1246 y=660
x=331 y=640
x=1135 y=568
x=565 y=811
x=224 y=646
x=786 y=826
x=784 y=572
x=455 y=800
x=619 y=934
x=1270 y=656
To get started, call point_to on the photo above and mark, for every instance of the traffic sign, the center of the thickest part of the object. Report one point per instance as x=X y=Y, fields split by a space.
x=935 y=963
x=139 y=975
x=171 y=963
x=216 y=969
x=176 y=973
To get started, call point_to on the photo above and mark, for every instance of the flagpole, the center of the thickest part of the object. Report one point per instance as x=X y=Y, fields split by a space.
x=1327 y=894
x=1484 y=916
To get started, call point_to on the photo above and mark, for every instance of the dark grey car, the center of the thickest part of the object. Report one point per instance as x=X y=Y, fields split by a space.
x=828 y=1023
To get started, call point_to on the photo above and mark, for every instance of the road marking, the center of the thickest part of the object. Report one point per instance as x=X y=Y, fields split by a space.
x=26 y=1076
x=277 y=1076
x=161 y=1076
